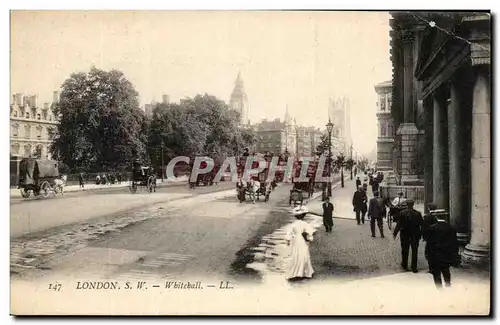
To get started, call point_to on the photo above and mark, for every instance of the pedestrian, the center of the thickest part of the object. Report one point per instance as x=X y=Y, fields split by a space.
x=410 y=225
x=358 y=182
x=328 y=214
x=443 y=250
x=80 y=180
x=375 y=184
x=376 y=213
x=298 y=238
x=359 y=204
x=429 y=220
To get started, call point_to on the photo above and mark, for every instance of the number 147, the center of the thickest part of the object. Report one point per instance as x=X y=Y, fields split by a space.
x=55 y=287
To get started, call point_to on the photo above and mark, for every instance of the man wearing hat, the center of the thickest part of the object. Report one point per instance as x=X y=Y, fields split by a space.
x=442 y=247
x=376 y=213
x=359 y=204
x=358 y=182
x=410 y=225
x=429 y=220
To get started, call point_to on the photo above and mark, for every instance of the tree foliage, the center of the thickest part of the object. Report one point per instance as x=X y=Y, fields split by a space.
x=203 y=125
x=101 y=125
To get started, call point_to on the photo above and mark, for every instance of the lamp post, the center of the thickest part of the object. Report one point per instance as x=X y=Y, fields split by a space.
x=329 y=128
x=162 y=162
x=296 y=140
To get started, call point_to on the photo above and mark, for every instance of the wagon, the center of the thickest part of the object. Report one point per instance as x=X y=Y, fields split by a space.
x=143 y=177
x=296 y=197
x=38 y=177
x=243 y=190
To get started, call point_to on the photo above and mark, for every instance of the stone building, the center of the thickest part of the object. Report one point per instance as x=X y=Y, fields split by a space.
x=31 y=126
x=386 y=132
x=239 y=100
x=148 y=108
x=441 y=106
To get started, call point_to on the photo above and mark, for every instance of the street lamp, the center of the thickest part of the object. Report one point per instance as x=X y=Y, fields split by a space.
x=329 y=128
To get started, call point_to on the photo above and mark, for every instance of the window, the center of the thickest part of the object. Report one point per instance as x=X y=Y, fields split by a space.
x=15 y=149
x=15 y=113
x=382 y=103
x=27 y=115
x=38 y=117
x=39 y=132
x=27 y=131
x=44 y=116
x=27 y=150
x=15 y=130
x=389 y=103
x=383 y=130
x=50 y=133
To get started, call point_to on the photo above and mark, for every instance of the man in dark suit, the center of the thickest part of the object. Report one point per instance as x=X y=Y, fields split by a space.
x=328 y=214
x=358 y=182
x=410 y=225
x=376 y=213
x=442 y=245
x=429 y=220
x=359 y=203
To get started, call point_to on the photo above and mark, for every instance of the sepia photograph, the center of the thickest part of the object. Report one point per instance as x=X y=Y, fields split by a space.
x=250 y=162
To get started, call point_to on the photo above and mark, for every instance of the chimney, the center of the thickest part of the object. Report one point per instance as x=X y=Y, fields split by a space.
x=55 y=97
x=19 y=99
x=46 y=105
x=166 y=99
x=34 y=101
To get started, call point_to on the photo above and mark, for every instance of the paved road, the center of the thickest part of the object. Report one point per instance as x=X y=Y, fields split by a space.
x=209 y=235
x=41 y=214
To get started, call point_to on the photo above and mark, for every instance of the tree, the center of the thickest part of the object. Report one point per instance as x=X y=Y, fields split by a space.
x=203 y=125
x=101 y=125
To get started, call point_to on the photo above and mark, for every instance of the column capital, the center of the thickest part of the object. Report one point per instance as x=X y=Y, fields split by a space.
x=407 y=36
x=480 y=53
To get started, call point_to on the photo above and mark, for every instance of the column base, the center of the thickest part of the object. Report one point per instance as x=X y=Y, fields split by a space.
x=476 y=255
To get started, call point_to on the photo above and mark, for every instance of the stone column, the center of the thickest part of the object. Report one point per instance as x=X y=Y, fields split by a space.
x=478 y=250
x=429 y=132
x=440 y=150
x=407 y=129
x=458 y=157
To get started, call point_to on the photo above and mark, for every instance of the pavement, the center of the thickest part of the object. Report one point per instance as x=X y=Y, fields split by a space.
x=212 y=238
x=15 y=192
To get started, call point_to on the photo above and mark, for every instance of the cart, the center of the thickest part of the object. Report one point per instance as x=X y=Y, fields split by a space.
x=142 y=177
x=296 y=197
x=38 y=178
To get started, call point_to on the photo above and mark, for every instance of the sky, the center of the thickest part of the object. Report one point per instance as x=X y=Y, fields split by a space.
x=299 y=59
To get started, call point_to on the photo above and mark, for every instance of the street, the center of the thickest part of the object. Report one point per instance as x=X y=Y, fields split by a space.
x=204 y=236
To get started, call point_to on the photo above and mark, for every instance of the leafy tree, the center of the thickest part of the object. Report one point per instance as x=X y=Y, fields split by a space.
x=203 y=125
x=101 y=125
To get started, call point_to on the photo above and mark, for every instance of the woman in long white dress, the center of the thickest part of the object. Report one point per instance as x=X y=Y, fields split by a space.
x=299 y=236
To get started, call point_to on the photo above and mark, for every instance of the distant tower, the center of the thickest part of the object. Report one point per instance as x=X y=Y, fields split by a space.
x=239 y=100
x=339 y=112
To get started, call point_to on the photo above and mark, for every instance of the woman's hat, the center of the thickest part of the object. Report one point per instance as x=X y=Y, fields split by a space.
x=300 y=210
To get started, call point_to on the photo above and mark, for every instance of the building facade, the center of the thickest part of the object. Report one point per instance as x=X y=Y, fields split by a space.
x=239 y=100
x=441 y=105
x=31 y=127
x=386 y=131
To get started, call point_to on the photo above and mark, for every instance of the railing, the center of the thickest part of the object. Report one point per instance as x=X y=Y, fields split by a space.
x=415 y=193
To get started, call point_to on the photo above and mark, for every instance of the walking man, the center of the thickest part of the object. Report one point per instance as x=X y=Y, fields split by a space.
x=328 y=214
x=80 y=179
x=359 y=203
x=358 y=182
x=376 y=213
x=429 y=220
x=410 y=225
x=442 y=246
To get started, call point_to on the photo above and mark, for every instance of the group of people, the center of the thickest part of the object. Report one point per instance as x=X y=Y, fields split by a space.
x=441 y=249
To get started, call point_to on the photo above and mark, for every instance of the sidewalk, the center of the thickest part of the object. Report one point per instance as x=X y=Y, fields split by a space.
x=15 y=193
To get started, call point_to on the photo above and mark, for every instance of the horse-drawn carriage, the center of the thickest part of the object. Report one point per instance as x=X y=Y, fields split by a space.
x=257 y=186
x=39 y=177
x=309 y=186
x=144 y=177
x=207 y=179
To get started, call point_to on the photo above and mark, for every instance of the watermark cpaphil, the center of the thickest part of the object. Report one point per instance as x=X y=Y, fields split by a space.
x=229 y=168
x=199 y=170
